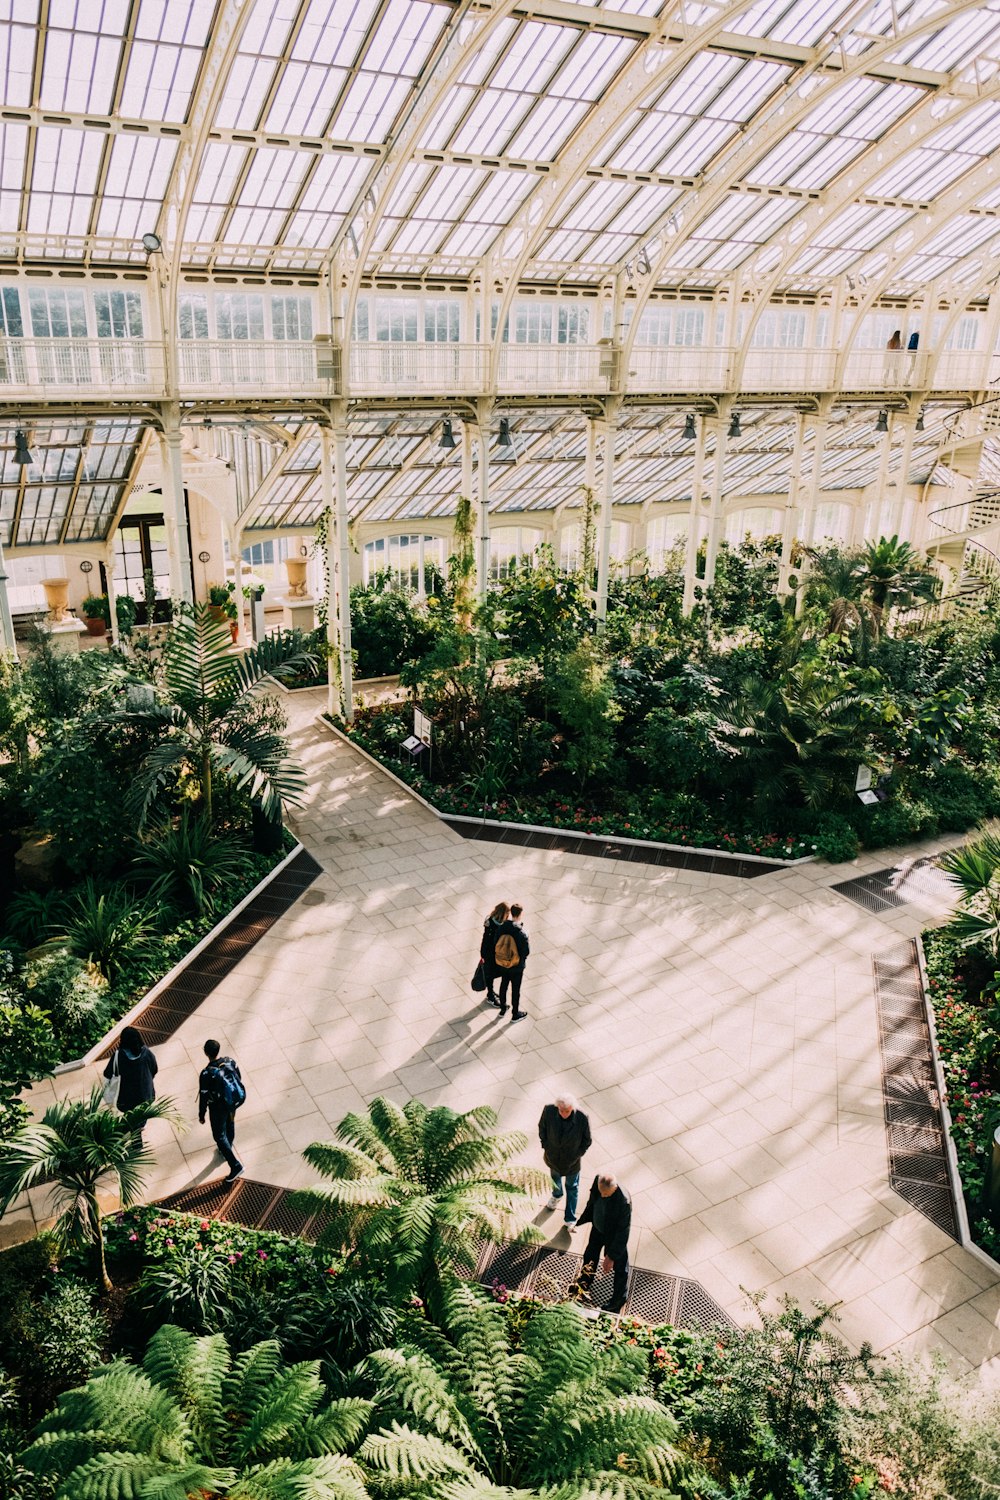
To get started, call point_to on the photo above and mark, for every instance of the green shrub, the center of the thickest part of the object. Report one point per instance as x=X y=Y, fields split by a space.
x=104 y=926
x=188 y=863
x=66 y=1334
x=961 y=796
x=897 y=821
x=74 y=993
x=387 y=627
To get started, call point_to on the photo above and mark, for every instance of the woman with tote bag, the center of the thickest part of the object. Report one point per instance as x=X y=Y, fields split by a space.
x=134 y=1066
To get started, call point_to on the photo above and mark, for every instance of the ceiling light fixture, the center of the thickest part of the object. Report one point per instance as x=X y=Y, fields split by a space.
x=734 y=425
x=690 y=430
x=22 y=453
x=152 y=243
x=918 y=425
x=882 y=425
x=447 y=439
x=504 y=439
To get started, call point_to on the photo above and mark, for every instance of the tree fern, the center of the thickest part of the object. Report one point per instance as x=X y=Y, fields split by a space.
x=193 y=1421
x=414 y=1190
x=466 y=1415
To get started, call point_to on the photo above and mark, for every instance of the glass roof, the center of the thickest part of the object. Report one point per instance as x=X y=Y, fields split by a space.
x=424 y=131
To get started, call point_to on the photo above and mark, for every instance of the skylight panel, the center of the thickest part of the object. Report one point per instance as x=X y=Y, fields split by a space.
x=533 y=57
x=438 y=132
x=246 y=91
x=567 y=244
x=329 y=195
x=643 y=209
x=333 y=32
x=305 y=99
x=492 y=121
x=63 y=180
x=13 y=145
x=370 y=108
x=92 y=513
x=253 y=226
x=598 y=205
x=976 y=33
x=647 y=141
x=273 y=179
x=752 y=84
x=136 y=182
x=159 y=81
x=81 y=62
x=266 y=31
x=17 y=52
x=591 y=66
x=695 y=150
x=695 y=87
x=806 y=22
x=977 y=132
x=480 y=65
x=469 y=240
x=449 y=194
x=412 y=182
x=922 y=173
x=805 y=161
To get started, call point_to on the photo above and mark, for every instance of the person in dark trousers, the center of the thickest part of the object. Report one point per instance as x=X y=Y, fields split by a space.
x=609 y=1213
x=487 y=948
x=564 y=1132
x=221 y=1118
x=513 y=975
x=136 y=1068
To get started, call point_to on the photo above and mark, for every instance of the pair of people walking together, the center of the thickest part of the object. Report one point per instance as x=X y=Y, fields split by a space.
x=503 y=953
x=564 y=1133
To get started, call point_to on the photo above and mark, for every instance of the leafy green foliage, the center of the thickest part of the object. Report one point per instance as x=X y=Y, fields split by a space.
x=103 y=926
x=387 y=627
x=188 y=864
x=467 y=1414
x=195 y=1419
x=29 y=1051
x=81 y=1150
x=413 y=1189
x=206 y=724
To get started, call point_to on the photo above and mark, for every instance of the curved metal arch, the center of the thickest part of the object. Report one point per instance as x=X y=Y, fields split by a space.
x=452 y=55
x=626 y=94
x=842 y=192
x=951 y=202
x=747 y=150
x=212 y=79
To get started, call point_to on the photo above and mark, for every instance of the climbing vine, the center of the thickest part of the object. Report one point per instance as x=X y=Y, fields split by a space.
x=462 y=563
x=588 y=536
x=322 y=550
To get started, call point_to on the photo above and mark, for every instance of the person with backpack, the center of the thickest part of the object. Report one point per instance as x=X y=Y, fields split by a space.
x=487 y=949
x=221 y=1092
x=509 y=955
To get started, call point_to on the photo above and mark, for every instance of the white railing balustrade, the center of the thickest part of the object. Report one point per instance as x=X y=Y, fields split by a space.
x=380 y=367
x=82 y=367
x=239 y=367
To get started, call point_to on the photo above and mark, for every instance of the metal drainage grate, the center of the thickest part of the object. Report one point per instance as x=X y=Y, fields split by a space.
x=918 y=1161
x=918 y=881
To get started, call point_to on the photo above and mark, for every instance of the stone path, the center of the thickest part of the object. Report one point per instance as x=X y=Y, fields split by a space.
x=721 y=1034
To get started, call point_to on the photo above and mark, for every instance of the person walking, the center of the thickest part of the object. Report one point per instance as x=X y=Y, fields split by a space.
x=487 y=949
x=609 y=1213
x=136 y=1068
x=893 y=370
x=221 y=1092
x=564 y=1131
x=510 y=955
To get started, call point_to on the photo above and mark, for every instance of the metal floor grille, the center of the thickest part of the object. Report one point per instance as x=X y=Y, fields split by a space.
x=541 y=1271
x=182 y=997
x=918 y=1157
x=601 y=848
x=919 y=881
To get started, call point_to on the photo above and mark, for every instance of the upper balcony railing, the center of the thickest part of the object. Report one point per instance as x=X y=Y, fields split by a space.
x=229 y=369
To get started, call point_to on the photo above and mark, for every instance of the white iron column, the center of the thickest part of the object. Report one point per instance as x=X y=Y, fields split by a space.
x=329 y=585
x=715 y=515
x=905 y=457
x=607 y=502
x=879 y=489
x=421 y=565
x=467 y=461
x=694 y=516
x=6 y=621
x=790 y=519
x=109 y=575
x=175 y=514
x=343 y=562
x=483 y=507
x=821 y=426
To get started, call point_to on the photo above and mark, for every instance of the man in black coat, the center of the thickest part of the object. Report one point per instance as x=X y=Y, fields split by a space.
x=609 y=1212
x=564 y=1132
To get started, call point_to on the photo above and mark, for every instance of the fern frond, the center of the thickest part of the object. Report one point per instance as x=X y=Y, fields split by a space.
x=292 y=1396
x=410 y=1457
x=414 y=1383
x=328 y=1478
x=336 y=1427
x=135 y=1476
x=193 y=1371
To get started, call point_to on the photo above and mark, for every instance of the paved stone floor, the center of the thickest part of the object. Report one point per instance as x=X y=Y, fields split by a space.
x=721 y=1034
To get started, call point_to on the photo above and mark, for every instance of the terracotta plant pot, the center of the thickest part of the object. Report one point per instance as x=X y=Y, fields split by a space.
x=95 y=625
x=57 y=598
x=295 y=567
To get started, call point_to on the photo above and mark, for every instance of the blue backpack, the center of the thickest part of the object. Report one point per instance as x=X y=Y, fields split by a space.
x=228 y=1088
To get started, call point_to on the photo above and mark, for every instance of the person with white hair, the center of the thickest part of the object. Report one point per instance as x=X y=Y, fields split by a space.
x=609 y=1213
x=564 y=1131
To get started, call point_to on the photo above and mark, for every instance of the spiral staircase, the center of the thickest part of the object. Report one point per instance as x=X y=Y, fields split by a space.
x=965 y=536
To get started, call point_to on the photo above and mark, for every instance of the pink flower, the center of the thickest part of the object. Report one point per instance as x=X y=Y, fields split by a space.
x=262 y=1255
x=203 y=1224
x=169 y=1244
x=133 y=1236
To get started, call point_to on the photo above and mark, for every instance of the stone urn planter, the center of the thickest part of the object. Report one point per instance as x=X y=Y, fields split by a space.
x=57 y=598
x=295 y=567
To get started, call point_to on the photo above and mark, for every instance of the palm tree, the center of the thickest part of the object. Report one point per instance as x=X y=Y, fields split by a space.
x=195 y=1421
x=834 y=585
x=800 y=736
x=413 y=1189
x=469 y=1416
x=975 y=869
x=893 y=572
x=206 y=725
x=82 y=1150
